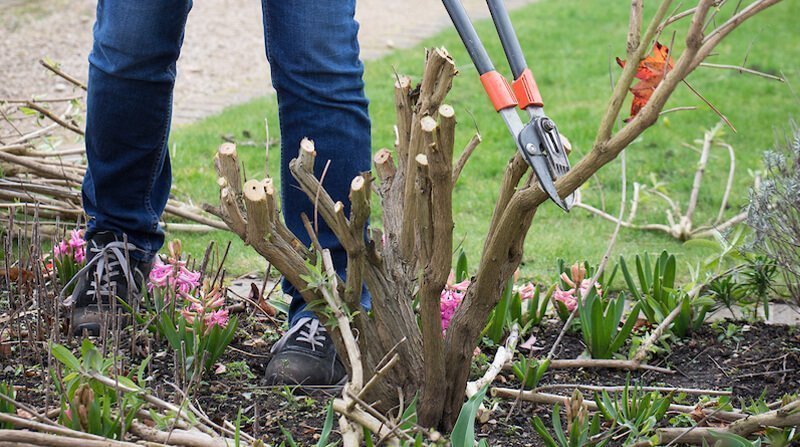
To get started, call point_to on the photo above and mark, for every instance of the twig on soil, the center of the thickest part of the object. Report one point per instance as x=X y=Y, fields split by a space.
x=786 y=416
x=546 y=398
x=503 y=355
x=615 y=388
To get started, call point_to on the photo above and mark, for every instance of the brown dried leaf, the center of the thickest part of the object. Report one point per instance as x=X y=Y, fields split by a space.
x=256 y=297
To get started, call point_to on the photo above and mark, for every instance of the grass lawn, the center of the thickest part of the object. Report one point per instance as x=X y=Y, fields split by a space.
x=571 y=48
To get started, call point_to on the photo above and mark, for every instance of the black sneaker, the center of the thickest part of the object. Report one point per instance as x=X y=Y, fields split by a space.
x=108 y=261
x=306 y=356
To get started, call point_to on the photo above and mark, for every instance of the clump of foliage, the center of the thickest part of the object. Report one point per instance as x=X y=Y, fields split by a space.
x=191 y=316
x=7 y=390
x=774 y=212
x=658 y=295
x=580 y=427
x=635 y=410
x=574 y=284
x=89 y=406
x=69 y=256
x=600 y=319
x=530 y=371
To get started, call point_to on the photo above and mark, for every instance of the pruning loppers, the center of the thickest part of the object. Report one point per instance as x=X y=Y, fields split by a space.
x=538 y=141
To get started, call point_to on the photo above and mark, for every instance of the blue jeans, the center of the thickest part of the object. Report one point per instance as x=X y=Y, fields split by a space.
x=314 y=57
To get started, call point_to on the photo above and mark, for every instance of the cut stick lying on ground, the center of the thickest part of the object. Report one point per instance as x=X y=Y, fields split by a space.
x=786 y=416
x=550 y=399
x=38 y=172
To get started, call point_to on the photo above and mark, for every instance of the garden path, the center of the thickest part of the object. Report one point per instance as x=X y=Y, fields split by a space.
x=222 y=61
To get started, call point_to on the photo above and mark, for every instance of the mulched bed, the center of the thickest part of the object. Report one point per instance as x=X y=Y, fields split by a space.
x=758 y=359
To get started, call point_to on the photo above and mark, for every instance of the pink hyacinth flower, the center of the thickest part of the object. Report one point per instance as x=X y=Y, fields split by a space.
x=527 y=291
x=61 y=249
x=584 y=288
x=217 y=318
x=450 y=299
x=159 y=274
x=173 y=274
x=567 y=297
x=186 y=280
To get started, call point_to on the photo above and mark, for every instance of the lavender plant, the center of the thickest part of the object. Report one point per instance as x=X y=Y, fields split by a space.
x=774 y=212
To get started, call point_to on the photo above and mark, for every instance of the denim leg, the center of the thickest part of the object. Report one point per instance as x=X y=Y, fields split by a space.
x=312 y=46
x=129 y=107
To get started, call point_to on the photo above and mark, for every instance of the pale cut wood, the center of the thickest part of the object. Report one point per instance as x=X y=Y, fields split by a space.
x=227 y=163
x=258 y=215
x=404 y=110
x=307 y=155
x=384 y=166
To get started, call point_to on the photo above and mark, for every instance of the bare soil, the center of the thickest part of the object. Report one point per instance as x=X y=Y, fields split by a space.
x=759 y=360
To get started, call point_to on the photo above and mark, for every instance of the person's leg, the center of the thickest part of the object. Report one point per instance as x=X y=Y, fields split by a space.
x=129 y=105
x=313 y=51
x=312 y=46
x=127 y=182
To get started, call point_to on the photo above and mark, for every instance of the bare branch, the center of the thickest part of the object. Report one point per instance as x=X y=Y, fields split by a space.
x=465 y=155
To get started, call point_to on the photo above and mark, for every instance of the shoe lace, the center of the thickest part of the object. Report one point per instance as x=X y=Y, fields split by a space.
x=309 y=330
x=108 y=261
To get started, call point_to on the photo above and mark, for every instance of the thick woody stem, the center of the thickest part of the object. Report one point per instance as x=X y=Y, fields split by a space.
x=430 y=315
x=306 y=156
x=437 y=258
x=515 y=169
x=359 y=213
x=634 y=27
x=436 y=83
x=445 y=137
x=227 y=164
x=259 y=215
x=384 y=167
x=405 y=111
x=423 y=224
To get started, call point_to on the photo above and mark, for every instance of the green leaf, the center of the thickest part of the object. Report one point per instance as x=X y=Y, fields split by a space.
x=463 y=434
x=557 y=429
x=515 y=308
x=368 y=438
x=280 y=305
x=669 y=272
x=498 y=323
x=538 y=425
x=623 y=333
x=629 y=279
x=66 y=357
x=327 y=427
x=462 y=272
x=287 y=437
